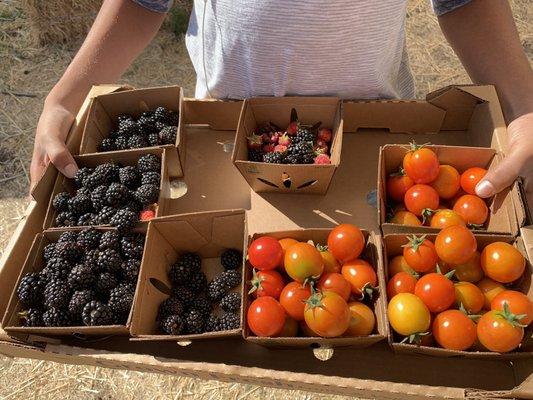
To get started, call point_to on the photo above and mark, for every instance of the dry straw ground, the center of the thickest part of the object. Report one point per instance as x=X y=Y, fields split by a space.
x=27 y=73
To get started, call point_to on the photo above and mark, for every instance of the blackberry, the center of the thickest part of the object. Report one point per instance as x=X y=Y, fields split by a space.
x=30 y=290
x=172 y=325
x=108 y=171
x=48 y=274
x=68 y=236
x=88 y=239
x=153 y=139
x=121 y=298
x=147 y=194
x=68 y=251
x=94 y=180
x=130 y=270
x=179 y=274
x=137 y=142
x=109 y=260
x=116 y=194
x=58 y=264
x=91 y=259
x=255 y=155
x=194 y=322
x=32 y=317
x=56 y=294
x=167 y=135
x=98 y=197
x=302 y=152
x=84 y=191
x=304 y=135
x=128 y=127
x=80 y=204
x=274 y=158
x=133 y=206
x=191 y=260
x=121 y=142
x=81 y=175
x=96 y=313
x=60 y=202
x=104 y=215
x=124 y=220
x=146 y=123
x=161 y=114
x=56 y=317
x=132 y=245
x=231 y=302
x=81 y=277
x=65 y=218
x=229 y=321
x=197 y=282
x=216 y=289
x=107 y=144
x=49 y=251
x=105 y=282
x=184 y=294
x=110 y=240
x=203 y=305
x=87 y=219
x=79 y=299
x=231 y=259
x=113 y=135
x=129 y=176
x=151 y=178
x=123 y=118
x=170 y=306
x=160 y=125
x=149 y=162
x=212 y=324
x=231 y=278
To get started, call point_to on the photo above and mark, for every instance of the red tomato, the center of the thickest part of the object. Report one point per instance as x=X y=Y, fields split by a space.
x=472 y=209
x=327 y=314
x=267 y=283
x=303 y=261
x=518 y=303
x=292 y=299
x=405 y=218
x=436 y=291
x=361 y=276
x=455 y=244
x=421 y=164
x=469 y=296
x=447 y=183
x=266 y=317
x=445 y=218
x=471 y=177
x=346 y=242
x=420 y=254
x=397 y=185
x=453 y=330
x=335 y=282
x=290 y=328
x=402 y=282
x=490 y=290
x=398 y=264
x=330 y=262
x=265 y=253
x=362 y=320
x=285 y=244
x=499 y=332
x=502 y=262
x=421 y=197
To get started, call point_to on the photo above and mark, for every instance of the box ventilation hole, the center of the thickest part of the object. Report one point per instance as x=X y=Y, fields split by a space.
x=161 y=286
x=307 y=184
x=322 y=353
x=286 y=179
x=178 y=188
x=268 y=182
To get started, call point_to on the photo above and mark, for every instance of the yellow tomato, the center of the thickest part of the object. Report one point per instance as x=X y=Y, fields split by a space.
x=408 y=314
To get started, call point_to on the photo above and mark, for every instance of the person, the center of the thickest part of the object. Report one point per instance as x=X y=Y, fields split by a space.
x=352 y=49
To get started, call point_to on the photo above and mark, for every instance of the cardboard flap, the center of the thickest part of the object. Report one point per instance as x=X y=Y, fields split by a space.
x=219 y=115
x=182 y=233
x=458 y=104
x=227 y=230
x=44 y=186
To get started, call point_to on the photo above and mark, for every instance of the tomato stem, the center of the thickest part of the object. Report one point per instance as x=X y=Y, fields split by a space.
x=400 y=172
x=415 y=338
x=415 y=242
x=255 y=282
x=427 y=213
x=513 y=319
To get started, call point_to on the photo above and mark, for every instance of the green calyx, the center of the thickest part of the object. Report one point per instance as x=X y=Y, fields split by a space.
x=367 y=292
x=513 y=319
x=475 y=226
x=414 y=338
x=448 y=275
x=400 y=172
x=427 y=213
x=415 y=242
x=473 y=317
x=321 y=247
x=315 y=300
x=255 y=282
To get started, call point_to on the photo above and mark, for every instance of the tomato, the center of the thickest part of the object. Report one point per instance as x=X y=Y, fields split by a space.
x=265 y=316
x=362 y=320
x=421 y=197
x=398 y=264
x=473 y=209
x=346 y=242
x=265 y=253
x=292 y=299
x=445 y=218
x=303 y=261
x=405 y=218
x=408 y=315
x=469 y=296
x=335 y=282
x=436 y=291
x=502 y=262
x=490 y=290
x=518 y=303
x=267 y=283
x=397 y=185
x=447 y=183
x=306 y=331
x=330 y=262
x=455 y=244
x=453 y=330
x=402 y=282
x=471 y=177
x=471 y=270
x=290 y=328
x=421 y=164
x=285 y=244
x=327 y=314
x=361 y=276
x=420 y=254
x=498 y=332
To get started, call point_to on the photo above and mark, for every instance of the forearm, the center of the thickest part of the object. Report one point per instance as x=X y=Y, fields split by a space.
x=484 y=37
x=120 y=32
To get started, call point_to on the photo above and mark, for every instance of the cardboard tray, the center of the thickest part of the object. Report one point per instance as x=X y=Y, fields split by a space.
x=207 y=234
x=392 y=246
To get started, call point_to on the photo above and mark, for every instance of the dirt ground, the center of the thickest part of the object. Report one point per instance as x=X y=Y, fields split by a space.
x=28 y=72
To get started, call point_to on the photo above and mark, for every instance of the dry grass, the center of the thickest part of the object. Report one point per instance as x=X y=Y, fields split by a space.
x=27 y=74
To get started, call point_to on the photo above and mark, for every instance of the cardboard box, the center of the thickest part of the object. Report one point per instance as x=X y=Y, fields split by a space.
x=284 y=178
x=502 y=213
x=207 y=234
x=105 y=109
x=371 y=253
x=392 y=246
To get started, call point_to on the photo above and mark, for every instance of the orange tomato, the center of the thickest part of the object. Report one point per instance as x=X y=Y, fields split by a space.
x=305 y=330
x=405 y=218
x=346 y=242
x=502 y=262
x=518 y=303
x=455 y=244
x=421 y=197
x=402 y=282
x=469 y=296
x=445 y=218
x=436 y=291
x=290 y=329
x=330 y=262
x=471 y=270
x=292 y=299
x=421 y=164
x=327 y=314
x=285 y=244
x=472 y=209
x=454 y=331
x=448 y=182
x=499 y=333
x=420 y=254
x=335 y=282
x=303 y=261
x=490 y=290
x=398 y=264
x=471 y=177
x=362 y=320
x=397 y=185
x=360 y=275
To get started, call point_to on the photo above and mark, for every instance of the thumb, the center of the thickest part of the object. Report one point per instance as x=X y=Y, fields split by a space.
x=500 y=177
x=60 y=156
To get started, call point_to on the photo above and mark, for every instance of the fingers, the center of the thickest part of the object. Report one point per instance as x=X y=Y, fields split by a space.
x=57 y=152
x=501 y=176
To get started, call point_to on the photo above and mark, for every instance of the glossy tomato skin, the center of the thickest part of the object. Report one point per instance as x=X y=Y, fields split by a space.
x=268 y=283
x=421 y=165
x=455 y=244
x=472 y=209
x=335 y=282
x=397 y=186
x=346 y=242
x=402 y=282
x=398 y=264
x=359 y=274
x=445 y=218
x=422 y=258
x=362 y=320
x=405 y=218
x=448 y=182
x=292 y=299
x=502 y=262
x=471 y=177
x=265 y=253
x=408 y=314
x=470 y=271
x=436 y=291
x=421 y=197
x=331 y=318
x=453 y=330
x=303 y=261
x=517 y=302
x=285 y=244
x=265 y=317
x=469 y=296
x=290 y=328
x=498 y=334
x=305 y=330
x=330 y=262
x=490 y=290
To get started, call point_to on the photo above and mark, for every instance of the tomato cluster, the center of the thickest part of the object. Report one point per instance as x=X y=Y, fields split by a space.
x=305 y=290
x=424 y=192
x=449 y=293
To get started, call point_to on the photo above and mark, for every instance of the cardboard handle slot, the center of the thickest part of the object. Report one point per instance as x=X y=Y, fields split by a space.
x=268 y=182
x=306 y=184
x=161 y=286
x=286 y=179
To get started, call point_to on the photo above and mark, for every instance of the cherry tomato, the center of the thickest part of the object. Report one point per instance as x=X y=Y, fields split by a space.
x=327 y=314
x=362 y=320
x=518 y=303
x=445 y=218
x=469 y=296
x=421 y=165
x=290 y=328
x=420 y=254
x=346 y=242
x=498 y=333
x=436 y=291
x=330 y=262
x=293 y=297
x=266 y=317
x=265 y=253
x=402 y=282
x=360 y=275
x=421 y=197
x=267 y=283
x=398 y=264
x=490 y=290
x=306 y=331
x=471 y=270
x=455 y=244
x=471 y=177
x=447 y=183
x=303 y=261
x=472 y=208
x=405 y=218
x=408 y=314
x=502 y=262
x=335 y=282
x=285 y=244
x=397 y=185
x=453 y=330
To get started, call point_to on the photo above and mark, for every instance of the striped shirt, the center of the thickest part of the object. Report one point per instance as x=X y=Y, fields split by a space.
x=345 y=48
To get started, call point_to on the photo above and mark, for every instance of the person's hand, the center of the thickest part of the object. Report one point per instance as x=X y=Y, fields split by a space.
x=518 y=161
x=50 y=136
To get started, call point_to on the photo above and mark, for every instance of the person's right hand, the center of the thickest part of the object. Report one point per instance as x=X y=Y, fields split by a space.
x=52 y=130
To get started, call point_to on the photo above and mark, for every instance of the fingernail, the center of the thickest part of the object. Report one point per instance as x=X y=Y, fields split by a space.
x=70 y=170
x=485 y=189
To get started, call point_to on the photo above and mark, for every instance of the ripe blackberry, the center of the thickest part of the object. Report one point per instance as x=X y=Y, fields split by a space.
x=179 y=273
x=94 y=180
x=231 y=302
x=60 y=202
x=80 y=204
x=168 y=117
x=172 y=325
x=229 y=321
x=30 y=290
x=117 y=194
x=184 y=294
x=121 y=298
x=146 y=123
x=304 y=135
x=137 y=142
x=96 y=313
x=105 y=282
x=127 y=126
x=255 y=155
x=130 y=270
x=194 y=322
x=212 y=324
x=168 y=134
x=153 y=138
x=68 y=236
x=274 y=157
x=65 y=218
x=56 y=317
x=98 y=197
x=88 y=239
x=49 y=251
x=58 y=264
x=91 y=259
x=56 y=294
x=107 y=144
x=110 y=240
x=81 y=277
x=160 y=125
x=302 y=152
x=84 y=191
x=79 y=299
x=104 y=215
x=147 y=194
x=133 y=206
x=151 y=178
x=192 y=260
x=132 y=245
x=231 y=259
x=121 y=142
x=81 y=175
x=170 y=306
x=108 y=171
x=124 y=220
x=32 y=317
x=48 y=274
x=231 y=278
x=69 y=251
x=149 y=162
x=109 y=260
x=87 y=219
x=203 y=305
x=197 y=282
x=216 y=289
x=129 y=176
